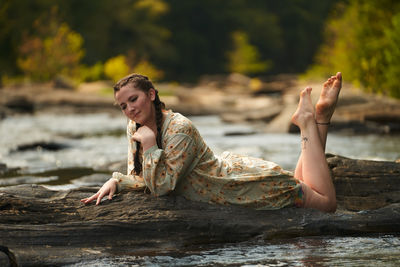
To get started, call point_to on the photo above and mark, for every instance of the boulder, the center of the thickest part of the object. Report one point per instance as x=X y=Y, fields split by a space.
x=44 y=227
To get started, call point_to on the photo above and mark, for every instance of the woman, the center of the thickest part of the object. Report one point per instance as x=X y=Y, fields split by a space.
x=167 y=154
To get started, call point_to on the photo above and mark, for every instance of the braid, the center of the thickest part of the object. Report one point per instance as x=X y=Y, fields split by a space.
x=138 y=163
x=159 y=116
x=143 y=83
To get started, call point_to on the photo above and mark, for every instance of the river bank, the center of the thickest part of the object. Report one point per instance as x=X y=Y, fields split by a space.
x=269 y=102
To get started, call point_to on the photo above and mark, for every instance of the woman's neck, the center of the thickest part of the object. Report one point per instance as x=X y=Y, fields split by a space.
x=153 y=123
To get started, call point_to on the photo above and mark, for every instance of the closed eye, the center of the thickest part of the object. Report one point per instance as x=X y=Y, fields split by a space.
x=132 y=99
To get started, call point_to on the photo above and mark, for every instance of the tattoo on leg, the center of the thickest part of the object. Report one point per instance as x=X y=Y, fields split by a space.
x=304 y=140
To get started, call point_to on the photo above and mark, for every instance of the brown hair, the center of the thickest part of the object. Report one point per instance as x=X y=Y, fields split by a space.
x=143 y=83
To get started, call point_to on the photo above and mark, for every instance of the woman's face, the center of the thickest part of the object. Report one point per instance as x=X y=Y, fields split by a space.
x=136 y=104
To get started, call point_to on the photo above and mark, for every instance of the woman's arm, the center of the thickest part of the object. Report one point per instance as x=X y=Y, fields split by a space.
x=162 y=168
x=119 y=181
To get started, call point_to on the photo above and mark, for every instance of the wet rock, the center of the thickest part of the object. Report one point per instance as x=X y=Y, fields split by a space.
x=9 y=257
x=20 y=104
x=252 y=115
x=365 y=184
x=276 y=84
x=5 y=171
x=239 y=133
x=63 y=82
x=50 y=146
x=36 y=222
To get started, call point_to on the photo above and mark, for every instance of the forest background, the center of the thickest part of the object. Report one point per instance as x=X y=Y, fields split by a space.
x=181 y=40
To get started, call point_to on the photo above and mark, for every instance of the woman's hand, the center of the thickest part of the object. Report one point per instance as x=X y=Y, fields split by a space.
x=109 y=188
x=145 y=136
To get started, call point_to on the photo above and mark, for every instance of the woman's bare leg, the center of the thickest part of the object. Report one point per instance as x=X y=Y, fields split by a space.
x=323 y=113
x=317 y=184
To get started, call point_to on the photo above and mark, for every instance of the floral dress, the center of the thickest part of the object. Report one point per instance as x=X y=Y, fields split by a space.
x=186 y=166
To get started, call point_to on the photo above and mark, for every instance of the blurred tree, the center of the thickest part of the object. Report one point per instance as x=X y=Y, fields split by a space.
x=302 y=25
x=111 y=28
x=286 y=33
x=16 y=21
x=53 y=50
x=119 y=67
x=362 y=42
x=392 y=57
x=116 y=68
x=245 y=58
x=200 y=36
x=149 y=69
x=183 y=38
x=91 y=73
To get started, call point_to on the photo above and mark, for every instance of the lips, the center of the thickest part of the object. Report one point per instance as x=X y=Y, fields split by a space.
x=135 y=115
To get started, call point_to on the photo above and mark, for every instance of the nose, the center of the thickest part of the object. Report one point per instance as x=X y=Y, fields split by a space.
x=131 y=107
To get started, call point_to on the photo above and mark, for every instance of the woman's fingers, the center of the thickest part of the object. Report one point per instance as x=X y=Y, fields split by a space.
x=108 y=188
x=100 y=197
x=112 y=191
x=137 y=137
x=89 y=199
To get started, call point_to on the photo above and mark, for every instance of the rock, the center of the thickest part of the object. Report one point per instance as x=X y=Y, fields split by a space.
x=50 y=146
x=276 y=84
x=365 y=184
x=36 y=222
x=11 y=260
x=5 y=171
x=20 y=104
x=282 y=122
x=62 y=82
x=237 y=79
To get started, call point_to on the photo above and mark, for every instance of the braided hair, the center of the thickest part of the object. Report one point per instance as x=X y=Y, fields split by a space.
x=143 y=83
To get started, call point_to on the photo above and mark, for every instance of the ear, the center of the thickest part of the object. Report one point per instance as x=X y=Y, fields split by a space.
x=152 y=94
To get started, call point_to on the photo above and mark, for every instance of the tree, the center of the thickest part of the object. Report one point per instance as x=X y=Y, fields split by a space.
x=362 y=41
x=53 y=50
x=245 y=57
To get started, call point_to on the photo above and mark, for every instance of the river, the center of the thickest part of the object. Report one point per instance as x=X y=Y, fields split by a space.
x=86 y=141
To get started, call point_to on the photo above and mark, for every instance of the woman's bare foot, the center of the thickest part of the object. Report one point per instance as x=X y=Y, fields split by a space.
x=327 y=100
x=305 y=110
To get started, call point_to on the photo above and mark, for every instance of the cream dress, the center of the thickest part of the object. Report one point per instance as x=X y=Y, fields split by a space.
x=186 y=166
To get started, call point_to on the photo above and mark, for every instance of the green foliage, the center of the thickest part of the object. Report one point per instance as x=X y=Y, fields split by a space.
x=362 y=41
x=150 y=70
x=245 y=57
x=116 y=68
x=184 y=39
x=392 y=57
x=91 y=73
x=56 y=54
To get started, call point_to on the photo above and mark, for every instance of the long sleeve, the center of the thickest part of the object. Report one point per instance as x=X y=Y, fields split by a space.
x=129 y=181
x=162 y=168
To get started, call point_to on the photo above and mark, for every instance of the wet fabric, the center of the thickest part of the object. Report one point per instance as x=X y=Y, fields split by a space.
x=186 y=166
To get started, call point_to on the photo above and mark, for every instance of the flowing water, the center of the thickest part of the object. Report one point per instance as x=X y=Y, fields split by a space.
x=76 y=145
x=94 y=140
x=310 y=251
